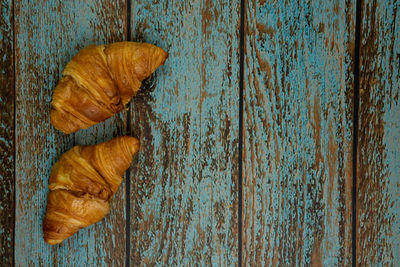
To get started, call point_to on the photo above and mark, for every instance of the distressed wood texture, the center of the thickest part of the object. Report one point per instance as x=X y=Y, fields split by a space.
x=297 y=154
x=184 y=188
x=6 y=134
x=48 y=34
x=378 y=194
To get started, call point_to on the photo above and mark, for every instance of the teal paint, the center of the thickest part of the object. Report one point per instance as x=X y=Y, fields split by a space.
x=48 y=34
x=297 y=133
x=184 y=188
x=378 y=199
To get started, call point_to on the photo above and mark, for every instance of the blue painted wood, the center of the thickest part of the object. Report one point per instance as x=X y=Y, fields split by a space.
x=297 y=133
x=378 y=181
x=184 y=188
x=297 y=154
x=48 y=34
x=6 y=134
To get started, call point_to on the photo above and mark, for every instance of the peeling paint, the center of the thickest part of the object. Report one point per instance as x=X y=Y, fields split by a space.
x=48 y=34
x=297 y=130
x=378 y=202
x=187 y=171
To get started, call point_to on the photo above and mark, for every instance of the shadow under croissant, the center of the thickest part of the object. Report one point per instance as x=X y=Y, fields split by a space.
x=148 y=86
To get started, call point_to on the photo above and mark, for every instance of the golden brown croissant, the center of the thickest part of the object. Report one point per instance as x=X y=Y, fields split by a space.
x=82 y=183
x=99 y=81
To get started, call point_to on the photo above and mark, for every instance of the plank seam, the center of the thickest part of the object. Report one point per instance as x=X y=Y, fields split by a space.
x=15 y=128
x=128 y=172
x=241 y=85
x=355 y=127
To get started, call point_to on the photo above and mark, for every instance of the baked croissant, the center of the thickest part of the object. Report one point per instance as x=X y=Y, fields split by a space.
x=82 y=184
x=99 y=81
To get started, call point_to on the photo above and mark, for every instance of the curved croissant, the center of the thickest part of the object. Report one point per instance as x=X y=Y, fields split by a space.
x=82 y=184
x=99 y=81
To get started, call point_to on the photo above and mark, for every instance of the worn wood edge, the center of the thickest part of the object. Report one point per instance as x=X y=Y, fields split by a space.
x=6 y=133
x=378 y=204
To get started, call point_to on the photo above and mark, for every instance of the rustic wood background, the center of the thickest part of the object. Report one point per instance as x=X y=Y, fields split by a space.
x=271 y=136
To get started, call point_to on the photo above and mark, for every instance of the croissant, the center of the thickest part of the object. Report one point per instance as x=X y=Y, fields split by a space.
x=82 y=184
x=99 y=81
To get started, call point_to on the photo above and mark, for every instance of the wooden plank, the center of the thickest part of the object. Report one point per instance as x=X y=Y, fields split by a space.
x=48 y=34
x=297 y=154
x=6 y=134
x=378 y=195
x=184 y=188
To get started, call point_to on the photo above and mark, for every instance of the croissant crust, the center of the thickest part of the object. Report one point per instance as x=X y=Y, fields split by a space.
x=99 y=81
x=82 y=184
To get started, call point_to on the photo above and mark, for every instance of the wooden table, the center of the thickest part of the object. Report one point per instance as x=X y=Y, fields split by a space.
x=271 y=136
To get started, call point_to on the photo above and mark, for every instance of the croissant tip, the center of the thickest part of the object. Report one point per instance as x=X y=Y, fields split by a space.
x=137 y=144
x=52 y=241
x=58 y=121
x=134 y=143
x=162 y=58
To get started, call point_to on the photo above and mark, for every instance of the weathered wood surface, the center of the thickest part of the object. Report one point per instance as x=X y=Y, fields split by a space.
x=184 y=188
x=48 y=34
x=297 y=154
x=297 y=141
x=378 y=181
x=6 y=134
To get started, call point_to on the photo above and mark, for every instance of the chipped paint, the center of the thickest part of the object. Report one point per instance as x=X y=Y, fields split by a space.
x=297 y=133
x=48 y=34
x=6 y=134
x=378 y=198
x=187 y=172
x=184 y=184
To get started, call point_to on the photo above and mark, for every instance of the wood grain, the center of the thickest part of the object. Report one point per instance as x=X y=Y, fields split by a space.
x=297 y=154
x=184 y=188
x=48 y=34
x=6 y=134
x=378 y=195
